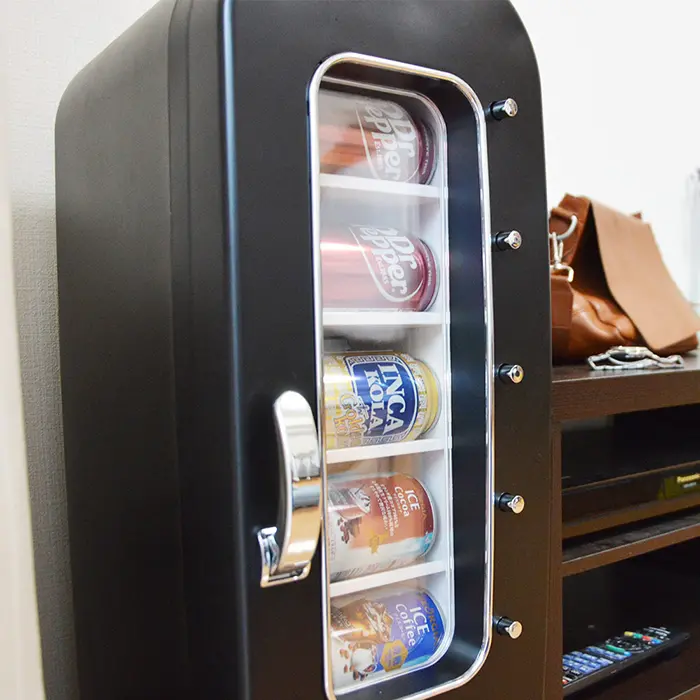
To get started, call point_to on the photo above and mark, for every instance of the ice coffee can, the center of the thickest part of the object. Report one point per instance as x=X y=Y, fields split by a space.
x=394 y=629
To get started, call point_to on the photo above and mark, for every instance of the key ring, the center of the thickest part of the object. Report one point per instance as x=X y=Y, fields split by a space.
x=633 y=357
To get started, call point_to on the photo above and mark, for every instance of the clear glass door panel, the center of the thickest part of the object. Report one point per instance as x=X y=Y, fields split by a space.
x=382 y=261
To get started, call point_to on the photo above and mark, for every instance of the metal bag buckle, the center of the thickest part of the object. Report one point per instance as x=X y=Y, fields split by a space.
x=557 y=266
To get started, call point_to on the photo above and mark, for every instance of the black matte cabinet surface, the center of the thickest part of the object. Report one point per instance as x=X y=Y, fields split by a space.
x=186 y=308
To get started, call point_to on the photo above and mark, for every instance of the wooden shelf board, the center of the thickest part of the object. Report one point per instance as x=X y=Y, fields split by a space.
x=691 y=694
x=578 y=392
x=627 y=516
x=609 y=548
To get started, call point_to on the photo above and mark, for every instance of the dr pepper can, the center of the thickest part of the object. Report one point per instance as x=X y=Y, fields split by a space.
x=370 y=137
x=374 y=267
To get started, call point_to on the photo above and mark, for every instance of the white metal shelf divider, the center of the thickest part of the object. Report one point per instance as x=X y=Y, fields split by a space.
x=406 y=319
x=385 y=578
x=393 y=449
x=366 y=184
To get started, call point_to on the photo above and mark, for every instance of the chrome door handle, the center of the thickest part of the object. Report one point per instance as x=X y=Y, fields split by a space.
x=288 y=548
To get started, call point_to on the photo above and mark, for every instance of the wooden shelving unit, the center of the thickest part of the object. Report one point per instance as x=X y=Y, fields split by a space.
x=578 y=392
x=624 y=516
x=611 y=556
x=628 y=542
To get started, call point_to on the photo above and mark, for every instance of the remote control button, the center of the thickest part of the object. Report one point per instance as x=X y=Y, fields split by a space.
x=607 y=654
x=618 y=650
x=600 y=660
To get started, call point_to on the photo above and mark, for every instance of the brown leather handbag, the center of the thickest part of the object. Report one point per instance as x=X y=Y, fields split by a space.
x=610 y=285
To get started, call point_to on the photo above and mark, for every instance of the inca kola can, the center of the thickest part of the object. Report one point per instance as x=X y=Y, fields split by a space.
x=377 y=398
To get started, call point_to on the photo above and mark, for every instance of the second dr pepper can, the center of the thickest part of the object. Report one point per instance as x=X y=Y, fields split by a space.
x=377 y=523
x=370 y=137
x=377 y=398
x=370 y=267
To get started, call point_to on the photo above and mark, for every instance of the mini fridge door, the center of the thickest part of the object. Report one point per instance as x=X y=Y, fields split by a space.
x=371 y=176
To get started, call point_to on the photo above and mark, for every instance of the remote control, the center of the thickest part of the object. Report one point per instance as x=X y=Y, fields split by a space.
x=596 y=663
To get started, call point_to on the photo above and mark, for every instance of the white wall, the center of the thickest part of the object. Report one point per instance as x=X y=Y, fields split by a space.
x=613 y=72
x=48 y=41
x=20 y=657
x=622 y=106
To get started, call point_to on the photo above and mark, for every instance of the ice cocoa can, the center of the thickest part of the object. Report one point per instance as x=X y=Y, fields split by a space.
x=377 y=523
x=395 y=628
x=377 y=398
x=372 y=267
x=376 y=138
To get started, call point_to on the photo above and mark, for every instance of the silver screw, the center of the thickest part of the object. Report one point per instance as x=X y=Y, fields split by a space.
x=516 y=504
x=514 y=239
x=514 y=629
x=510 y=108
x=511 y=373
x=508 y=240
x=508 y=627
x=504 y=109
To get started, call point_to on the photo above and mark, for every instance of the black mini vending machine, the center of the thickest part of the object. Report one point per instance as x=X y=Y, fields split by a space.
x=304 y=316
